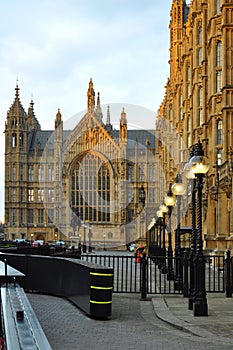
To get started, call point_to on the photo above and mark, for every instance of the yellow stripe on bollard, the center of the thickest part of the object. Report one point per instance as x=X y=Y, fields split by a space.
x=101 y=274
x=94 y=287
x=100 y=302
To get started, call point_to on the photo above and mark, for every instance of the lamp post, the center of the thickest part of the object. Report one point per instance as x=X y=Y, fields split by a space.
x=191 y=177
x=89 y=237
x=200 y=167
x=160 y=216
x=156 y=232
x=169 y=200
x=104 y=241
x=142 y=196
x=178 y=189
x=164 y=210
x=55 y=234
x=84 y=238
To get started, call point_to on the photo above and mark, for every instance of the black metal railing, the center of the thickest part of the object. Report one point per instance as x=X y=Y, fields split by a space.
x=128 y=273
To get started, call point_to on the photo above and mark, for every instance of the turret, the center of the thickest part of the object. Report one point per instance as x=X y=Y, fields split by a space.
x=32 y=121
x=98 y=111
x=123 y=127
x=179 y=15
x=15 y=127
x=58 y=127
x=90 y=97
x=108 y=122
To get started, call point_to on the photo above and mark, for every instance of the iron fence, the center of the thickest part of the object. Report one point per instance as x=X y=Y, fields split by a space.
x=128 y=273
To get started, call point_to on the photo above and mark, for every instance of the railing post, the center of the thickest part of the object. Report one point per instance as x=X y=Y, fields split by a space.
x=6 y=279
x=185 y=284
x=228 y=275
x=143 y=277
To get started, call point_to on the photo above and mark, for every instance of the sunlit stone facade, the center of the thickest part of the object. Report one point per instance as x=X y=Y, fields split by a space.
x=92 y=172
x=198 y=104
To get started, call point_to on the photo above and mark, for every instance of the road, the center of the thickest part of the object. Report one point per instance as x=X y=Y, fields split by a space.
x=133 y=326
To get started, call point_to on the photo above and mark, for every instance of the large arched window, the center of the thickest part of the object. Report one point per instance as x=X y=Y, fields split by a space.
x=218 y=66
x=188 y=77
x=218 y=6
x=199 y=49
x=90 y=188
x=200 y=106
x=219 y=132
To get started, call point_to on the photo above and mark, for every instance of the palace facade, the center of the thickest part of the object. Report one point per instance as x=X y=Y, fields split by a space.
x=95 y=175
x=198 y=105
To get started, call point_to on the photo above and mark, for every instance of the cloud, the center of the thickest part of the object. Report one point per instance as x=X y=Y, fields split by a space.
x=55 y=46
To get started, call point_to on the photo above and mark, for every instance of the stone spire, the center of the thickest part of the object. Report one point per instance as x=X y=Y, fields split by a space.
x=58 y=119
x=90 y=97
x=108 y=122
x=31 y=118
x=123 y=127
x=16 y=108
x=98 y=110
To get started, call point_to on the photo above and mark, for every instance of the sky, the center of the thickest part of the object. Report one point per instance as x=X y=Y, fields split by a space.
x=53 y=48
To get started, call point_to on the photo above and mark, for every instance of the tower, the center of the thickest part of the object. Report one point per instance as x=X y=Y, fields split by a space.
x=16 y=140
x=179 y=15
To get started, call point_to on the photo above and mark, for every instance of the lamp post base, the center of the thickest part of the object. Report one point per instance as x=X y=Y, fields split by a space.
x=190 y=303
x=178 y=284
x=170 y=276
x=200 y=308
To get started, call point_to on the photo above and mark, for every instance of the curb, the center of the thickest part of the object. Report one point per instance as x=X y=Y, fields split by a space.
x=164 y=314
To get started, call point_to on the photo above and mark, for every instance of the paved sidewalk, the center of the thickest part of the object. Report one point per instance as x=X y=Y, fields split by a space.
x=218 y=324
x=134 y=325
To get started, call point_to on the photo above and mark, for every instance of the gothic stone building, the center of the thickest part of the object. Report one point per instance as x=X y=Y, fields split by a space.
x=95 y=174
x=198 y=105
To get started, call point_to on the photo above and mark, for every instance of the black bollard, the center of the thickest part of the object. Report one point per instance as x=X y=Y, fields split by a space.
x=185 y=283
x=143 y=267
x=228 y=275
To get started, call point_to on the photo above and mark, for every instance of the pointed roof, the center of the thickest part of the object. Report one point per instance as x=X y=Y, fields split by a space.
x=108 y=116
x=123 y=117
x=16 y=108
x=98 y=111
x=108 y=124
x=31 y=118
x=58 y=119
x=90 y=97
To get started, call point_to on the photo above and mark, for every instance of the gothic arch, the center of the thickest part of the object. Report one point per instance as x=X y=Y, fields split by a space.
x=91 y=184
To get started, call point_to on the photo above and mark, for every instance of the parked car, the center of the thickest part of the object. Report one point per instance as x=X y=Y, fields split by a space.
x=60 y=244
x=21 y=241
x=38 y=243
x=131 y=247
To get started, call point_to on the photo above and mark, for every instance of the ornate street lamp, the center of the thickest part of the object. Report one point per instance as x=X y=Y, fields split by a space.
x=156 y=231
x=192 y=181
x=142 y=196
x=164 y=210
x=200 y=167
x=160 y=216
x=178 y=189
x=84 y=238
x=89 y=236
x=170 y=200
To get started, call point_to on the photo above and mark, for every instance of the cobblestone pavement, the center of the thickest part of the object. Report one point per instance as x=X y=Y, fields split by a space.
x=134 y=325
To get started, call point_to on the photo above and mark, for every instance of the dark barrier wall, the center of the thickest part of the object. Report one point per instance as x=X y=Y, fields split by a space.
x=87 y=285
